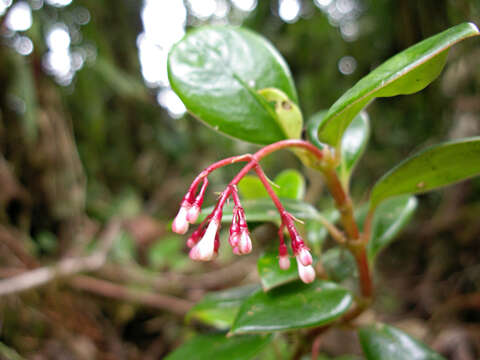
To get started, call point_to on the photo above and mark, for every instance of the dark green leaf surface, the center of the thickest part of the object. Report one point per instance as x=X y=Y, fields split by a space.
x=354 y=142
x=405 y=73
x=339 y=264
x=219 y=309
x=219 y=347
x=381 y=342
x=292 y=306
x=390 y=217
x=218 y=71
x=270 y=273
x=432 y=168
x=264 y=210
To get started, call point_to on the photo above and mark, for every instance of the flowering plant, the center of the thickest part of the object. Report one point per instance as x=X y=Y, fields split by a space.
x=236 y=82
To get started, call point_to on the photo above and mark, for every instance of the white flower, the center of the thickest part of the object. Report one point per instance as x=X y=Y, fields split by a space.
x=284 y=262
x=192 y=213
x=305 y=257
x=180 y=223
x=307 y=273
x=204 y=250
x=245 y=243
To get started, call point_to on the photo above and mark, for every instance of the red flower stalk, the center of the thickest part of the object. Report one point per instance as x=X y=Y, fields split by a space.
x=204 y=242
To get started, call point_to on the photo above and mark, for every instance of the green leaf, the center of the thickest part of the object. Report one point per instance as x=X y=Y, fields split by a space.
x=316 y=232
x=390 y=217
x=167 y=252
x=219 y=347
x=291 y=185
x=261 y=210
x=292 y=306
x=250 y=187
x=339 y=264
x=271 y=275
x=405 y=73
x=354 y=142
x=380 y=341
x=432 y=168
x=219 y=309
x=218 y=71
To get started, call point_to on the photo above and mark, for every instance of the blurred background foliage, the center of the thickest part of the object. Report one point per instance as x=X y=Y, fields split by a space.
x=90 y=131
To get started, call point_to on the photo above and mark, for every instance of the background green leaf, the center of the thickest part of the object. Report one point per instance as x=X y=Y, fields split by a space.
x=432 y=168
x=339 y=264
x=217 y=71
x=380 y=342
x=354 y=142
x=389 y=219
x=219 y=347
x=292 y=306
x=219 y=309
x=405 y=73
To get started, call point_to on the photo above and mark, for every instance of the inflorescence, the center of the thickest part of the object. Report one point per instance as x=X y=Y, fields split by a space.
x=204 y=241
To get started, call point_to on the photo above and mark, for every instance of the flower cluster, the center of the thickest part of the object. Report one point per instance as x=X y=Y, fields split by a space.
x=204 y=241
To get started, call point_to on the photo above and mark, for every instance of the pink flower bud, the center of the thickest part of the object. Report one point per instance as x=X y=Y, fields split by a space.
x=306 y=273
x=205 y=249
x=180 y=223
x=304 y=256
x=192 y=213
x=245 y=243
x=284 y=262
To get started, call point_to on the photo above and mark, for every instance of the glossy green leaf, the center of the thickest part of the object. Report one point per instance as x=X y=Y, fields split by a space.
x=339 y=264
x=290 y=185
x=270 y=273
x=316 y=232
x=292 y=306
x=219 y=347
x=432 y=168
x=380 y=342
x=219 y=309
x=261 y=210
x=250 y=187
x=218 y=71
x=354 y=142
x=405 y=73
x=390 y=217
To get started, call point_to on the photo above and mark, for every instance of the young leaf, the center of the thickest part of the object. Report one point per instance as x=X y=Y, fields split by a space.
x=390 y=217
x=219 y=309
x=432 y=168
x=271 y=275
x=218 y=71
x=250 y=188
x=354 y=142
x=339 y=264
x=405 y=73
x=261 y=210
x=291 y=185
x=219 y=347
x=292 y=306
x=380 y=341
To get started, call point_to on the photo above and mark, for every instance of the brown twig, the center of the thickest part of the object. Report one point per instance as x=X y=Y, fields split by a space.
x=108 y=289
x=66 y=267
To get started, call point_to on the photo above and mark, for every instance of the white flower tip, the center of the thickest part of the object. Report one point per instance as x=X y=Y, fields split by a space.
x=205 y=249
x=306 y=273
x=284 y=262
x=192 y=214
x=305 y=257
x=245 y=243
x=180 y=223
